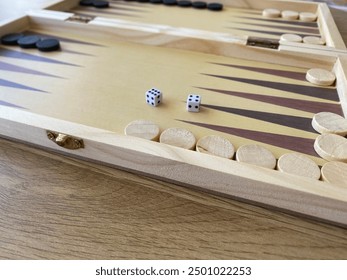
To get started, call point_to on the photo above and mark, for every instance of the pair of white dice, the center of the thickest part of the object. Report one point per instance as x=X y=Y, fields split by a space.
x=154 y=98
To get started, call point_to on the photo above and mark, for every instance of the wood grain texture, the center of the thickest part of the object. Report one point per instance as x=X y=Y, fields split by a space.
x=178 y=137
x=257 y=155
x=291 y=38
x=331 y=147
x=215 y=145
x=289 y=15
x=335 y=172
x=313 y=40
x=306 y=16
x=58 y=208
x=327 y=122
x=144 y=129
x=298 y=164
x=320 y=77
x=271 y=13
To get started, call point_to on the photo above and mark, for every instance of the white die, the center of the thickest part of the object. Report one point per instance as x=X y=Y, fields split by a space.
x=154 y=97
x=193 y=103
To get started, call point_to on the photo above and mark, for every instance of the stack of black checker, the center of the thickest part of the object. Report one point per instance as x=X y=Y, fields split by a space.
x=180 y=3
x=187 y=3
x=30 y=41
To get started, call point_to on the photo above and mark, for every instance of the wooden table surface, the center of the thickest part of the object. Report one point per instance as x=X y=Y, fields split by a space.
x=53 y=207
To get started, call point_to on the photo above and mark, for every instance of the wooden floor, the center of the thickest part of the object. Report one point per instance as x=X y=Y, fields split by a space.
x=52 y=207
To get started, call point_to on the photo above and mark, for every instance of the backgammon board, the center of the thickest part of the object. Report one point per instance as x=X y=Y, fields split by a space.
x=79 y=99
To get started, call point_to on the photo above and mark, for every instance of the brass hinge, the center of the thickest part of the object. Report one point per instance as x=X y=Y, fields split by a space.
x=263 y=43
x=65 y=141
x=81 y=19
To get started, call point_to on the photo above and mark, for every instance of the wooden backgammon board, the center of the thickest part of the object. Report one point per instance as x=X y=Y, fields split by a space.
x=253 y=138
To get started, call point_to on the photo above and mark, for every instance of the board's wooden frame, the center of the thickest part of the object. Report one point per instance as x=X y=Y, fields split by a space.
x=257 y=185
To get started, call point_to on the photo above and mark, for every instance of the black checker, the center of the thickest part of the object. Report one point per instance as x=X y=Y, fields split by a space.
x=199 y=5
x=29 y=41
x=184 y=3
x=215 y=6
x=48 y=45
x=170 y=2
x=86 y=2
x=101 y=4
x=11 y=39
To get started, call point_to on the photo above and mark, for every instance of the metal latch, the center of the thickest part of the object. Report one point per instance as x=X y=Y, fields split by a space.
x=263 y=43
x=79 y=18
x=65 y=141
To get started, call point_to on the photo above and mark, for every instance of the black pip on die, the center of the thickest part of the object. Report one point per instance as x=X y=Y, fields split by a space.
x=193 y=103
x=154 y=97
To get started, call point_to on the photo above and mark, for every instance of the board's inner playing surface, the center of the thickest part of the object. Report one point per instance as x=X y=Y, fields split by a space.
x=231 y=20
x=102 y=83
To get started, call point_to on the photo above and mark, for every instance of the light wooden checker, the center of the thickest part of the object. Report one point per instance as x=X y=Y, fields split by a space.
x=290 y=15
x=327 y=122
x=298 y=164
x=271 y=13
x=320 y=77
x=178 y=137
x=291 y=38
x=256 y=155
x=145 y=129
x=308 y=17
x=313 y=40
x=335 y=173
x=215 y=145
x=331 y=147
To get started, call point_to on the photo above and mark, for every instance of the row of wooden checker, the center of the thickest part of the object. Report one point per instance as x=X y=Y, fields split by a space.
x=329 y=124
